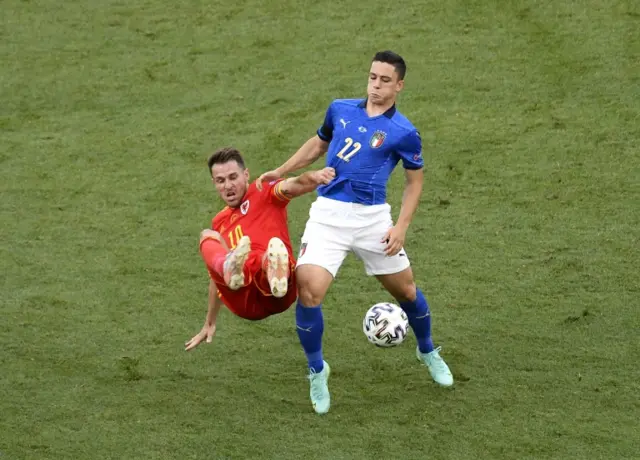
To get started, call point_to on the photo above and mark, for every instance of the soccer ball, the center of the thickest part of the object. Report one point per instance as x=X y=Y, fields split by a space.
x=385 y=325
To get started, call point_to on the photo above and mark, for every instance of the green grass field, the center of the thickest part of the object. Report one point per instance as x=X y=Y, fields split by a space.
x=526 y=242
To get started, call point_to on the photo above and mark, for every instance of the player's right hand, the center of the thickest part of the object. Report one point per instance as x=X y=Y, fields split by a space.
x=324 y=176
x=267 y=177
x=206 y=333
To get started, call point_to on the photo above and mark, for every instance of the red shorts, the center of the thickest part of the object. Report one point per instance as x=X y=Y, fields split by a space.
x=254 y=301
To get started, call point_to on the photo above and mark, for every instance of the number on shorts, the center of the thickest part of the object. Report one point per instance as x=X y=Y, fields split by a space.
x=343 y=155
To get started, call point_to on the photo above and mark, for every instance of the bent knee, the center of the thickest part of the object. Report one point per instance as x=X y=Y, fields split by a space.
x=309 y=297
x=312 y=283
x=406 y=292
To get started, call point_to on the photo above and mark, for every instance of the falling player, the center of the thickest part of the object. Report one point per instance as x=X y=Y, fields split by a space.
x=364 y=140
x=251 y=279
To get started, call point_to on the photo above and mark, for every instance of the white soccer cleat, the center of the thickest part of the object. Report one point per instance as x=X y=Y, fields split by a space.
x=234 y=264
x=278 y=267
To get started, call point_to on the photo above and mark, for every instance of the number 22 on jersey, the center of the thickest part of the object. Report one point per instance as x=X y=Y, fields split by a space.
x=234 y=236
x=349 y=150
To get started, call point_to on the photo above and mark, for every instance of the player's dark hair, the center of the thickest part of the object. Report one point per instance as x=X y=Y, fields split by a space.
x=389 y=57
x=225 y=155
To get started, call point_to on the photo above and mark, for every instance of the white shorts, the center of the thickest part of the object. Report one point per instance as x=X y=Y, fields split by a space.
x=334 y=228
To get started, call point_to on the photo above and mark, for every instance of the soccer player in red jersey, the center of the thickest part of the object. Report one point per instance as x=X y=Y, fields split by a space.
x=248 y=250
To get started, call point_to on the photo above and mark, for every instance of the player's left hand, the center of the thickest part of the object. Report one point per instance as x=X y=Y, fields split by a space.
x=395 y=240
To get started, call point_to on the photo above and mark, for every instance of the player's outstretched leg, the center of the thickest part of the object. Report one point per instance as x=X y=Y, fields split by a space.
x=233 y=267
x=313 y=283
x=310 y=326
x=277 y=267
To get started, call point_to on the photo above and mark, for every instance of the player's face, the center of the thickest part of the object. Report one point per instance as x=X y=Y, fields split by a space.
x=384 y=83
x=231 y=181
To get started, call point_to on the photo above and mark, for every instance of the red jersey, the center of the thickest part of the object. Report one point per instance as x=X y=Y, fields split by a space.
x=261 y=216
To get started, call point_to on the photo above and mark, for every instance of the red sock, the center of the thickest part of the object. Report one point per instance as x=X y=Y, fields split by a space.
x=218 y=264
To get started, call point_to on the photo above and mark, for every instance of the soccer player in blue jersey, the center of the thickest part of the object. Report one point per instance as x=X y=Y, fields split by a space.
x=364 y=139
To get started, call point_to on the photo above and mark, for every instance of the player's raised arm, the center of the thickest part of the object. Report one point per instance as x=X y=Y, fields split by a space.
x=310 y=151
x=305 y=182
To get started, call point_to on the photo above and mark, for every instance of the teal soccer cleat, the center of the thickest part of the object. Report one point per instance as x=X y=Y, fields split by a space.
x=437 y=367
x=319 y=389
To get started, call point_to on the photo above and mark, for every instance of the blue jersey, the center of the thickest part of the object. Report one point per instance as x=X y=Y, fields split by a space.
x=365 y=150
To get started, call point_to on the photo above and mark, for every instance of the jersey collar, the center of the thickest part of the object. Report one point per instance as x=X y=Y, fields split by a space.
x=391 y=111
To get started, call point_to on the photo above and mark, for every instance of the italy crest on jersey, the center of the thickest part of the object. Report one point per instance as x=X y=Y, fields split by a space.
x=377 y=139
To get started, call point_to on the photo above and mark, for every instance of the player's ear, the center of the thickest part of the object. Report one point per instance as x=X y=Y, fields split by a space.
x=246 y=174
x=400 y=85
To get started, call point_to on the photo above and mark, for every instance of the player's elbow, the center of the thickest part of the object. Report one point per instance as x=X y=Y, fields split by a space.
x=297 y=189
x=414 y=177
x=318 y=146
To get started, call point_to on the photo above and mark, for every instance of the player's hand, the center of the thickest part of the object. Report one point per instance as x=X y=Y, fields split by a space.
x=395 y=240
x=267 y=177
x=324 y=176
x=206 y=334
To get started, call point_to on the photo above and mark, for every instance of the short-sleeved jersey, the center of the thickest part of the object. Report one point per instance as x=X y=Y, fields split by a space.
x=261 y=216
x=365 y=150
